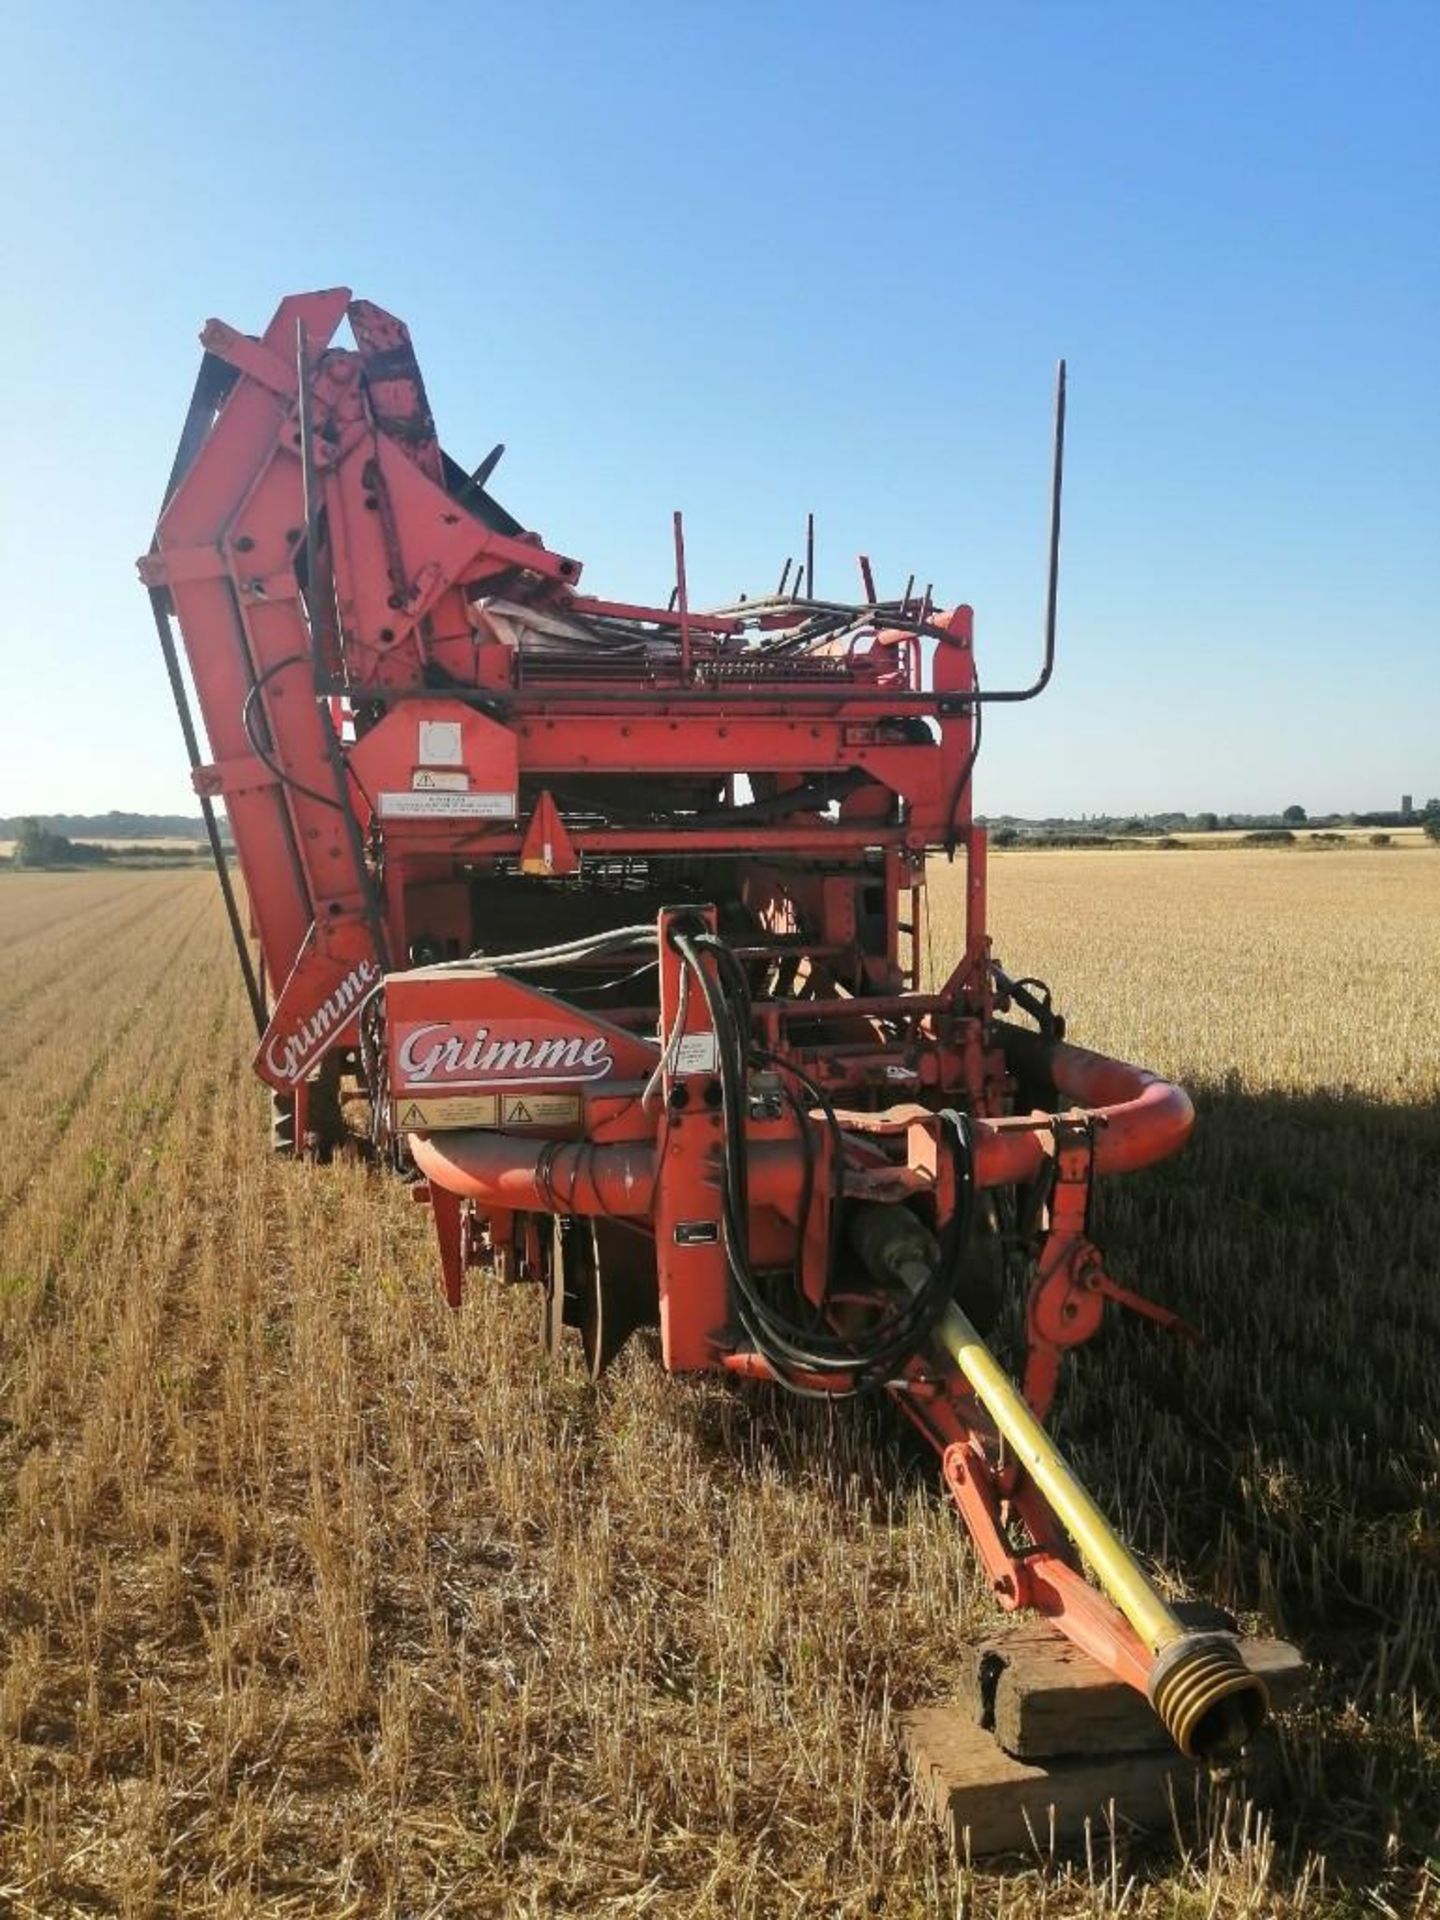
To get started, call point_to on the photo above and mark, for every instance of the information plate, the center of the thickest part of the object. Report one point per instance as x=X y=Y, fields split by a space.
x=539 y=1109
x=474 y=1110
x=478 y=806
x=695 y=1053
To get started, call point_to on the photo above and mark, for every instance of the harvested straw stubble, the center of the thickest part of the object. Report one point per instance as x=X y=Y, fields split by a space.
x=316 y=1600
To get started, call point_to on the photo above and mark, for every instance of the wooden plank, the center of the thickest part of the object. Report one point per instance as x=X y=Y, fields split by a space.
x=1042 y=1696
x=993 y=1802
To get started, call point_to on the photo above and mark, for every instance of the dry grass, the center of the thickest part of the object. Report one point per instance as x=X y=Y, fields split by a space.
x=315 y=1600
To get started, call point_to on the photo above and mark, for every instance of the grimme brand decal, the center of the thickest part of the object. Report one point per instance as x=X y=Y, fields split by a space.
x=291 y=1055
x=436 y=1055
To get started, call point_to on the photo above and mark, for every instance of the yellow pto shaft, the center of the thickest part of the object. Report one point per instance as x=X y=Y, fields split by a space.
x=1207 y=1697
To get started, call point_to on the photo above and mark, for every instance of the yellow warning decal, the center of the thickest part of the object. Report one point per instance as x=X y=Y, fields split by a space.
x=539 y=1109
x=489 y=1110
x=474 y=1111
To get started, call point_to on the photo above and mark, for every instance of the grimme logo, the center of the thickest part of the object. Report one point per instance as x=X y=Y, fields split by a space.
x=290 y=1056
x=436 y=1055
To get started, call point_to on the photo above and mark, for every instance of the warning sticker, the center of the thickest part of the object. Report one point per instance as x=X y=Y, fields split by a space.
x=427 y=780
x=695 y=1053
x=479 y=806
x=539 y=1109
x=478 y=1110
x=489 y=1110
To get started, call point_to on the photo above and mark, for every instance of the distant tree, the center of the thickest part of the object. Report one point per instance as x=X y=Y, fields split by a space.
x=1207 y=822
x=1430 y=820
x=1293 y=816
x=37 y=846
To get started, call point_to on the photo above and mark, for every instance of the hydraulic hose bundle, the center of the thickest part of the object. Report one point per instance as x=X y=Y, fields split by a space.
x=869 y=1359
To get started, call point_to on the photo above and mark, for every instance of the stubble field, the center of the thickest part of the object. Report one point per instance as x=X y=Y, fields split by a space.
x=315 y=1600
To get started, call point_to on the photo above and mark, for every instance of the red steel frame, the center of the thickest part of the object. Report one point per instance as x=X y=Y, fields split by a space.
x=384 y=747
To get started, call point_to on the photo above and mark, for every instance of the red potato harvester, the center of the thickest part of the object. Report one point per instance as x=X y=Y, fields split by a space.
x=646 y=1033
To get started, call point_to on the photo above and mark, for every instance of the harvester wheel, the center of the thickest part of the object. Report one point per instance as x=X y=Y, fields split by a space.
x=559 y=1283
x=282 y=1124
x=325 y=1128
x=621 y=1293
x=600 y=1280
x=312 y=1121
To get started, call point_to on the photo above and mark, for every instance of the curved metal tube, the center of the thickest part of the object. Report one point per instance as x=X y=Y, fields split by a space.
x=1139 y=1119
x=1052 y=581
x=523 y=1175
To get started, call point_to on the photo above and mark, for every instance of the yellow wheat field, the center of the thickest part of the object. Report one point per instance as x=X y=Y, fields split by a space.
x=315 y=1600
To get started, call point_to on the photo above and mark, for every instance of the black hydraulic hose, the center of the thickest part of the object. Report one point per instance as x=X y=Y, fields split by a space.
x=785 y=1344
x=1037 y=1004
x=962 y=779
x=248 y=719
x=807 y=1181
x=827 y=1107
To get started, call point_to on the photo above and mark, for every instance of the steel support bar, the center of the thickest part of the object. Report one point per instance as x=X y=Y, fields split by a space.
x=1119 y=1572
x=207 y=809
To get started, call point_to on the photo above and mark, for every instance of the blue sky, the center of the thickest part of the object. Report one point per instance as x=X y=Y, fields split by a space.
x=752 y=260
